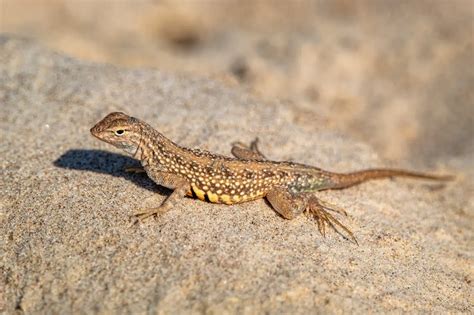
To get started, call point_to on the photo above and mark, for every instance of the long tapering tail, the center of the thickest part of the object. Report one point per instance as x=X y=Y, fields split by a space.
x=350 y=179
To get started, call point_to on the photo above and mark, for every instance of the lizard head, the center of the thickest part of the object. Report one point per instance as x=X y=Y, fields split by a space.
x=120 y=130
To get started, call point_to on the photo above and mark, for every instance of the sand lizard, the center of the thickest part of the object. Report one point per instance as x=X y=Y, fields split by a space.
x=288 y=186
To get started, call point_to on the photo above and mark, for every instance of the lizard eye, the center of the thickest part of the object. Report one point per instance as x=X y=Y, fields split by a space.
x=119 y=132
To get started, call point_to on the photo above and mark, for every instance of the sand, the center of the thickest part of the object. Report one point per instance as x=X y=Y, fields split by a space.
x=68 y=247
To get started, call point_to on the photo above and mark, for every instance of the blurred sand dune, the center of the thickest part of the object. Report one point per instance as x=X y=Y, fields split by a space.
x=396 y=74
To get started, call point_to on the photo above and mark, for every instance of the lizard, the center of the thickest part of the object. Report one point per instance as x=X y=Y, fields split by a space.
x=289 y=187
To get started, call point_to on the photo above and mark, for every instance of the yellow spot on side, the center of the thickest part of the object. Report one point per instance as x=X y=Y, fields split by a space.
x=199 y=193
x=212 y=197
x=226 y=199
x=236 y=198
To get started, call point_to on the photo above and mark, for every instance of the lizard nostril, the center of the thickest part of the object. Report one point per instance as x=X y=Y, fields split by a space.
x=94 y=130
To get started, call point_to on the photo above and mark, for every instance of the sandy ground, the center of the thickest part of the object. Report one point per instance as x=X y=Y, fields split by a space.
x=339 y=84
x=67 y=244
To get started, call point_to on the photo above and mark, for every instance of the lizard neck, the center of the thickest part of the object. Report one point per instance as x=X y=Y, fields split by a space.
x=153 y=145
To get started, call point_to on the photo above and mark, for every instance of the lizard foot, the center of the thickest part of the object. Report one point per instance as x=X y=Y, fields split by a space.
x=146 y=213
x=319 y=210
x=247 y=152
x=252 y=147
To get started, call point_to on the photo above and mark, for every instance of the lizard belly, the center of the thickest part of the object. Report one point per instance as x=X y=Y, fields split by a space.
x=219 y=196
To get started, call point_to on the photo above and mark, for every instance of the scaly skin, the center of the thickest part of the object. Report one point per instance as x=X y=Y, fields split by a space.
x=221 y=179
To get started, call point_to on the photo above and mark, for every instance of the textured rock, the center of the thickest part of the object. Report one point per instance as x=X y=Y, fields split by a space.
x=67 y=244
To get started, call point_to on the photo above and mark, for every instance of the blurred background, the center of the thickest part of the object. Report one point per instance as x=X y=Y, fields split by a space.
x=398 y=75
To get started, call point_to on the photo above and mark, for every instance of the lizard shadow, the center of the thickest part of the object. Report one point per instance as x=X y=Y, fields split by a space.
x=109 y=163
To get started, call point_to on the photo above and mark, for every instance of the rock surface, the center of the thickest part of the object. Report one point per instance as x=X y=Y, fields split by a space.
x=67 y=243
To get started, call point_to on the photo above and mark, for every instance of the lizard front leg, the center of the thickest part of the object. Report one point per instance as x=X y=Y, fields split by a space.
x=245 y=152
x=290 y=205
x=180 y=188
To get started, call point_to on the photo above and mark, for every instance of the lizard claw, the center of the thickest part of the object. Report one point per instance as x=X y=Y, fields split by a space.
x=331 y=207
x=141 y=216
x=136 y=218
x=133 y=220
x=148 y=212
x=320 y=212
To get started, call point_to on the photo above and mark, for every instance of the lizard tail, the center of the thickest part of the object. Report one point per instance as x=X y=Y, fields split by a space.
x=351 y=179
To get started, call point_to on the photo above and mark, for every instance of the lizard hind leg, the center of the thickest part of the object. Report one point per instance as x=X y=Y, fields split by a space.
x=290 y=205
x=320 y=211
x=243 y=151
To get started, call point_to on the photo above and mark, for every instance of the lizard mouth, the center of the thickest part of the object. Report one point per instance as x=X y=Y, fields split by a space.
x=94 y=131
